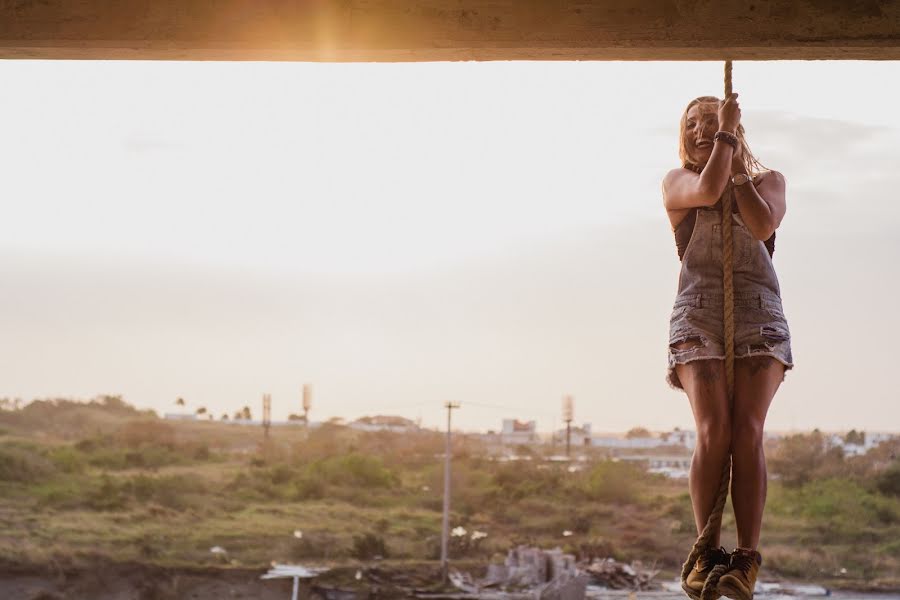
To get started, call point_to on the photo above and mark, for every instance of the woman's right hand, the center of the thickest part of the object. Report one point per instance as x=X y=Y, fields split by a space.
x=729 y=114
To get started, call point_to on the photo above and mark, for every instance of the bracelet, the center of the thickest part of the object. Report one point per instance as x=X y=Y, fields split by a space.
x=728 y=138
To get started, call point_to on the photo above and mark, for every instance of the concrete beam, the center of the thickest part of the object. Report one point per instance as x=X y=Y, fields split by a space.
x=429 y=30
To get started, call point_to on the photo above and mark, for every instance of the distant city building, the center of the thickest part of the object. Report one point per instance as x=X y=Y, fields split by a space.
x=622 y=442
x=180 y=416
x=674 y=466
x=384 y=423
x=680 y=437
x=859 y=447
x=578 y=436
x=519 y=432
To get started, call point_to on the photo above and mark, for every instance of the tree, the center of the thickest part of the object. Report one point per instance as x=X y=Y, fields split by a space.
x=179 y=401
x=201 y=410
x=224 y=416
x=855 y=437
x=245 y=413
x=638 y=432
x=797 y=457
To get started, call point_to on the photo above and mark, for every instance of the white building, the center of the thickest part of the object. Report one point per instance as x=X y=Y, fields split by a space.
x=180 y=417
x=578 y=436
x=675 y=466
x=384 y=423
x=870 y=440
x=616 y=442
x=680 y=437
x=518 y=432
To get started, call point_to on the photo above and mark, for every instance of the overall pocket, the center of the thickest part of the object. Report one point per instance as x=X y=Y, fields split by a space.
x=743 y=246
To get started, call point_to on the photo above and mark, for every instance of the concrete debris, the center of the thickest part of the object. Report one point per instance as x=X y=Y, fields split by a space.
x=534 y=574
x=529 y=573
x=621 y=576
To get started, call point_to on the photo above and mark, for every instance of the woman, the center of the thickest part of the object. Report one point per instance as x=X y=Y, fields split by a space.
x=715 y=157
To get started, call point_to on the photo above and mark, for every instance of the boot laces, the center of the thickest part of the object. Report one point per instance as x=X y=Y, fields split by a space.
x=743 y=562
x=715 y=556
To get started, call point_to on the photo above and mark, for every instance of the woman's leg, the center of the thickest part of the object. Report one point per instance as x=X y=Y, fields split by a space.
x=756 y=379
x=704 y=383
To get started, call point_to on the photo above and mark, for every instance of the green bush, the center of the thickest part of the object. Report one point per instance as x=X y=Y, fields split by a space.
x=888 y=481
x=172 y=491
x=67 y=459
x=368 y=545
x=614 y=481
x=354 y=470
x=515 y=481
x=24 y=464
x=309 y=488
x=109 y=494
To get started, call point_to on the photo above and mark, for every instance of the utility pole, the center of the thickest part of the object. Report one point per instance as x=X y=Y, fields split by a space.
x=445 y=531
x=307 y=403
x=267 y=413
x=568 y=409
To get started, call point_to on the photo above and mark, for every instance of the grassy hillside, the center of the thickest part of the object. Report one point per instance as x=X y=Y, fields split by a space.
x=87 y=483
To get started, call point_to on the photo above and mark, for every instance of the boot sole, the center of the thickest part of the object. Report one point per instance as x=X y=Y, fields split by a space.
x=730 y=591
x=694 y=595
x=690 y=592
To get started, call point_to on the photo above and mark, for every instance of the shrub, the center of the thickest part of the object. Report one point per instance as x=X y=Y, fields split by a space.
x=613 y=481
x=24 y=464
x=888 y=481
x=309 y=488
x=171 y=491
x=317 y=545
x=354 y=470
x=796 y=458
x=67 y=459
x=368 y=545
x=515 y=481
x=108 y=495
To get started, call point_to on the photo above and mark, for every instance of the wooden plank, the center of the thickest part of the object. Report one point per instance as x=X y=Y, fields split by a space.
x=399 y=30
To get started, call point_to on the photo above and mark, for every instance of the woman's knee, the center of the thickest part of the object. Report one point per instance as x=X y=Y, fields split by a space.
x=715 y=433
x=747 y=433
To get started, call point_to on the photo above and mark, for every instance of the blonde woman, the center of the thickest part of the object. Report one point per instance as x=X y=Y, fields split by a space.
x=715 y=158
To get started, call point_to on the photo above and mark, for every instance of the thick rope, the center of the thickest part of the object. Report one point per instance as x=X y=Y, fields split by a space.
x=714 y=521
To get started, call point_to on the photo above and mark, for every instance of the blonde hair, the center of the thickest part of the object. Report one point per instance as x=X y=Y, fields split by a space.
x=710 y=104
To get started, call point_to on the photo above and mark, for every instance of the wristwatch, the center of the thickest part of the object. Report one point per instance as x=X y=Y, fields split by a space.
x=740 y=179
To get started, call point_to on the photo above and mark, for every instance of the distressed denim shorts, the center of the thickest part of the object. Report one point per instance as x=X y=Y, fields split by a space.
x=760 y=329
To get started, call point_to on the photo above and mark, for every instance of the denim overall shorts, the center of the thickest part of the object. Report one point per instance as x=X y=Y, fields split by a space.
x=760 y=326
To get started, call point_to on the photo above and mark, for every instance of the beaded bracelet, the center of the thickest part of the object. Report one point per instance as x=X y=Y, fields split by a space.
x=728 y=138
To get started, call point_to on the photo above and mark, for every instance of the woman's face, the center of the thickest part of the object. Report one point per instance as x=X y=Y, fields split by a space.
x=702 y=124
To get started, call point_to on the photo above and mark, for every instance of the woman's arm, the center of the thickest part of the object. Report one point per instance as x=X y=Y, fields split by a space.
x=682 y=188
x=762 y=206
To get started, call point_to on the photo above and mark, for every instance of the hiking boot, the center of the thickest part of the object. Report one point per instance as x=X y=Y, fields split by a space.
x=693 y=584
x=739 y=581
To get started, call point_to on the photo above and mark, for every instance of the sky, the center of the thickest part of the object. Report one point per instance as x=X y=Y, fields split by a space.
x=403 y=235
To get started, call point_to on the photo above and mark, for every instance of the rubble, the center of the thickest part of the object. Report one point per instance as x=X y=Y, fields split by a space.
x=620 y=576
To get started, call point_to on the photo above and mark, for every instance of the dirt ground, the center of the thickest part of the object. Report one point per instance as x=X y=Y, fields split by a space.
x=142 y=582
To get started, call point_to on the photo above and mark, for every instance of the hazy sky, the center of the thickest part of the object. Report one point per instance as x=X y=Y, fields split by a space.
x=400 y=235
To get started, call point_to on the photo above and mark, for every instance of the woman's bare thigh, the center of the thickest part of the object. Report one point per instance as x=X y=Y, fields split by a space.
x=705 y=385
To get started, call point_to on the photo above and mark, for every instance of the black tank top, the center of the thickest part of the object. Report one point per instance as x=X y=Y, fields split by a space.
x=684 y=229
